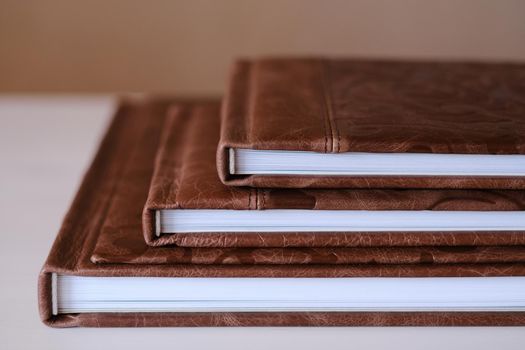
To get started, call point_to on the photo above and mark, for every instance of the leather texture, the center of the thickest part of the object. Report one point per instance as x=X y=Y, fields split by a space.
x=121 y=239
x=343 y=105
x=294 y=319
x=73 y=248
x=185 y=177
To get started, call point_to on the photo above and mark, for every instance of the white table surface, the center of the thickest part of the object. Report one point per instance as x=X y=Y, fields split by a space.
x=46 y=143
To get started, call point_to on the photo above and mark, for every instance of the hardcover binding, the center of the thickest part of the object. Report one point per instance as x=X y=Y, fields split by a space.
x=335 y=106
x=72 y=250
x=185 y=177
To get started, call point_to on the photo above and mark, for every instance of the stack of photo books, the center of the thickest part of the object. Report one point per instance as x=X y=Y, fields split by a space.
x=318 y=192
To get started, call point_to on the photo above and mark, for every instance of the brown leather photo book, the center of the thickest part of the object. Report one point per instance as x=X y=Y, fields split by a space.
x=299 y=123
x=101 y=273
x=189 y=206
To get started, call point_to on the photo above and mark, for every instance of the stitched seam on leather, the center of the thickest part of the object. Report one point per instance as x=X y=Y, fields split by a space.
x=325 y=135
x=98 y=219
x=326 y=122
x=251 y=88
x=332 y=108
x=101 y=250
x=165 y=138
x=94 y=232
x=177 y=173
x=335 y=139
x=173 y=172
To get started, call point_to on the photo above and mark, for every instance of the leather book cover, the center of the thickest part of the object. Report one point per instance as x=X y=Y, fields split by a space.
x=72 y=251
x=344 y=105
x=185 y=177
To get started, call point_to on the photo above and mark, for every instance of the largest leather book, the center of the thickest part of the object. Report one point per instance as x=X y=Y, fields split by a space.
x=427 y=113
x=108 y=184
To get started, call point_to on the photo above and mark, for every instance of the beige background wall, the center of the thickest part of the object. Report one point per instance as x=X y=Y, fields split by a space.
x=187 y=46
